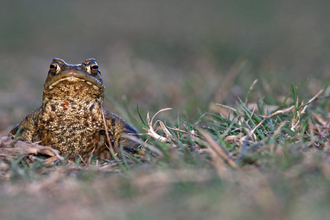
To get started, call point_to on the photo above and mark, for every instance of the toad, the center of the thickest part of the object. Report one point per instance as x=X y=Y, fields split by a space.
x=70 y=118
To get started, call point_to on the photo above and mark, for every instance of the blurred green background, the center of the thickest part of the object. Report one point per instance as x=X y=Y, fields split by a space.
x=160 y=54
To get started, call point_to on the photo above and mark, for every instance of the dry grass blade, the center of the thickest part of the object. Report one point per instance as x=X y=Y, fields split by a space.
x=233 y=138
x=106 y=131
x=279 y=112
x=323 y=131
x=167 y=133
x=319 y=119
x=311 y=100
x=152 y=133
x=227 y=107
x=162 y=110
x=269 y=116
x=26 y=148
x=217 y=149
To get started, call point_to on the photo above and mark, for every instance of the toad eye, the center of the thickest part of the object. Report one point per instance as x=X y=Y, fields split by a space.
x=93 y=68
x=54 y=68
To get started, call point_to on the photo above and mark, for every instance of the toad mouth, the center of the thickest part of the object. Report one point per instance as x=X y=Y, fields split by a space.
x=73 y=79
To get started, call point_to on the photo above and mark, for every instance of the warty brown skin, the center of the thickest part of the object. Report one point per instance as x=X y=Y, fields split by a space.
x=70 y=118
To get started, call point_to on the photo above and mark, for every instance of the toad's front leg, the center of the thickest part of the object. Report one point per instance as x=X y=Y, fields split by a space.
x=29 y=127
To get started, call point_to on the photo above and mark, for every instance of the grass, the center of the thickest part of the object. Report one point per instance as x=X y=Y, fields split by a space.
x=251 y=164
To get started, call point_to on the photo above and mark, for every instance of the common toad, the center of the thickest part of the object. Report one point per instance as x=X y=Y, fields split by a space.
x=70 y=118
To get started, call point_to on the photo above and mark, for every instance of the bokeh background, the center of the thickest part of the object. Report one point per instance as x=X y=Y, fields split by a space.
x=158 y=54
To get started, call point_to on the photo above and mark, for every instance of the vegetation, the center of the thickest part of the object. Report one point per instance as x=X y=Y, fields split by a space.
x=242 y=163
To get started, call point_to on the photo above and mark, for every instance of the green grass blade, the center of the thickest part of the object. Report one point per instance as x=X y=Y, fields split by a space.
x=123 y=156
x=16 y=135
x=140 y=115
x=133 y=158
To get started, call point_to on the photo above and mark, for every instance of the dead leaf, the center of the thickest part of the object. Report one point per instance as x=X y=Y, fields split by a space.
x=26 y=148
